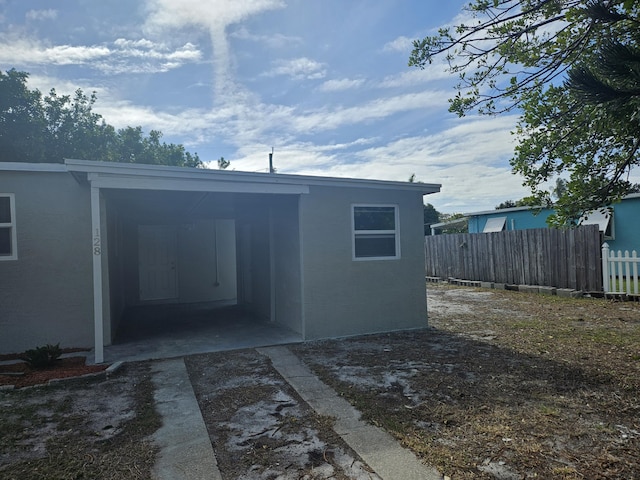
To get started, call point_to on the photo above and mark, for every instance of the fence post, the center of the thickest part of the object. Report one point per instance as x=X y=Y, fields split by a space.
x=605 y=267
x=636 y=280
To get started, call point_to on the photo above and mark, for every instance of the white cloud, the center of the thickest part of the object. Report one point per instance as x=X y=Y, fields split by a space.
x=121 y=56
x=38 y=15
x=415 y=76
x=214 y=16
x=483 y=141
x=208 y=14
x=340 y=85
x=401 y=44
x=275 y=40
x=332 y=118
x=25 y=51
x=297 y=68
x=131 y=44
x=468 y=158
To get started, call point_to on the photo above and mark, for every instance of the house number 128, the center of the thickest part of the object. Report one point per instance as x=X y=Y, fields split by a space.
x=97 y=250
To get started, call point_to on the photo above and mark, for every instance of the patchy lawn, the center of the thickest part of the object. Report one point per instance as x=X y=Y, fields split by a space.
x=503 y=385
x=80 y=429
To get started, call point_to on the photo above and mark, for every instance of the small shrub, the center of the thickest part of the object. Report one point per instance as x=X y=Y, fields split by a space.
x=42 y=357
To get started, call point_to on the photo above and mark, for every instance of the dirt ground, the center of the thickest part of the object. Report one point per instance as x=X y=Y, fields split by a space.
x=80 y=429
x=260 y=428
x=503 y=385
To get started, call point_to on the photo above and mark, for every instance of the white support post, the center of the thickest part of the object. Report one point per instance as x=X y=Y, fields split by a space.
x=96 y=250
x=605 y=268
x=627 y=272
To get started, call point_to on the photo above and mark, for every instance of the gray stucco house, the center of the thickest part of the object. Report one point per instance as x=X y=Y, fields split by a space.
x=83 y=241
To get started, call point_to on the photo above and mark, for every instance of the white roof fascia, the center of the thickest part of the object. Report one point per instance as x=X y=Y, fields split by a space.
x=457 y=221
x=495 y=224
x=33 y=167
x=233 y=176
x=193 y=185
x=500 y=211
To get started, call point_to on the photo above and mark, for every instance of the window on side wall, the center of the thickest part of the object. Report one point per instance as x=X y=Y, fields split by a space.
x=603 y=218
x=376 y=233
x=8 y=249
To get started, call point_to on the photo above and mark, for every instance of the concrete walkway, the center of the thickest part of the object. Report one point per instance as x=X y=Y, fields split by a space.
x=185 y=448
x=377 y=448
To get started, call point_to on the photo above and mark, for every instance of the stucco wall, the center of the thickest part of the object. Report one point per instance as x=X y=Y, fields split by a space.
x=259 y=263
x=46 y=295
x=346 y=297
x=287 y=281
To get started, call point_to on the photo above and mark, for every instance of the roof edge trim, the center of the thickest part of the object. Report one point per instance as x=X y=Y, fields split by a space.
x=33 y=167
x=161 y=171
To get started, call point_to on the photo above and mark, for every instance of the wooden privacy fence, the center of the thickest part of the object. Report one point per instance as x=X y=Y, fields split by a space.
x=549 y=257
x=620 y=272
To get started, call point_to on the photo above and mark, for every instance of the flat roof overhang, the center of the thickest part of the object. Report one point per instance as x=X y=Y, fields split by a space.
x=160 y=177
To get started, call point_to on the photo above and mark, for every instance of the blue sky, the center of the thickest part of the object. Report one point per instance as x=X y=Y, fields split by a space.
x=323 y=82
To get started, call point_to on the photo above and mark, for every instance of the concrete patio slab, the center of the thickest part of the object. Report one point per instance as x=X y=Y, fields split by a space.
x=168 y=332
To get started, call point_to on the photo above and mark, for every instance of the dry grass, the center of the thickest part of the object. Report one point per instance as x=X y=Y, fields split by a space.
x=82 y=429
x=504 y=384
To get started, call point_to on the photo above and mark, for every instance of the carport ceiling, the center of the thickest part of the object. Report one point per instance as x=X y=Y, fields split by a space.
x=136 y=203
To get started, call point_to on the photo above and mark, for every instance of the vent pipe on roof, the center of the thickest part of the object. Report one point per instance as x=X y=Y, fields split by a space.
x=271 y=169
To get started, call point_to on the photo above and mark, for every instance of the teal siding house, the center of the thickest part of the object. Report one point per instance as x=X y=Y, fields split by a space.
x=621 y=229
x=517 y=218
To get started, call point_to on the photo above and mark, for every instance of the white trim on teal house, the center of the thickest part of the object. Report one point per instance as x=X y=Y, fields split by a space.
x=281 y=246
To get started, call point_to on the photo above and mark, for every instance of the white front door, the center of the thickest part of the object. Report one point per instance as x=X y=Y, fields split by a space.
x=157 y=258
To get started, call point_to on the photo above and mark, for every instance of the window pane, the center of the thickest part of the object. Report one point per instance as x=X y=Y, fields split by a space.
x=5 y=209
x=5 y=241
x=375 y=245
x=374 y=218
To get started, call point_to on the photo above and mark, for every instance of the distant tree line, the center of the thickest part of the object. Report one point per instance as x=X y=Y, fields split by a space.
x=431 y=216
x=49 y=128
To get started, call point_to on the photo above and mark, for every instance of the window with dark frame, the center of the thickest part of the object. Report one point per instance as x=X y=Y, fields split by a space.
x=7 y=228
x=375 y=232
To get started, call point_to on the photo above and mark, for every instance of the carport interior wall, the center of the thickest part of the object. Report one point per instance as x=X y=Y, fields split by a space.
x=200 y=247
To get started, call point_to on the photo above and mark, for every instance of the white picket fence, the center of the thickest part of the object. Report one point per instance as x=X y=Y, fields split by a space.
x=620 y=271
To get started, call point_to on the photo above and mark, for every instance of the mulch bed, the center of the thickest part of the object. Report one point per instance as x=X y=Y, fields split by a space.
x=21 y=375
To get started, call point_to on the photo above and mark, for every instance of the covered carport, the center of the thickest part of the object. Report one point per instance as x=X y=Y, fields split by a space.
x=184 y=241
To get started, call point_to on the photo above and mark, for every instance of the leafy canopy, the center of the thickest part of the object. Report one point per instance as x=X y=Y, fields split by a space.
x=571 y=68
x=50 y=128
